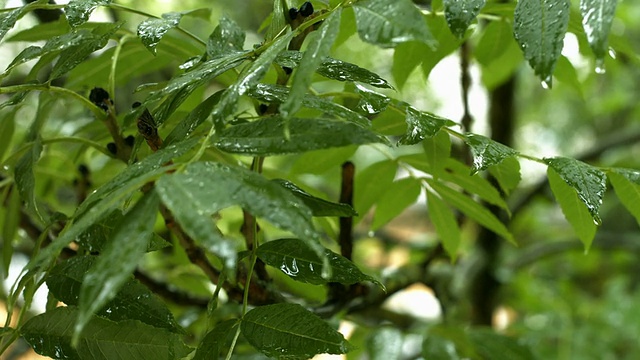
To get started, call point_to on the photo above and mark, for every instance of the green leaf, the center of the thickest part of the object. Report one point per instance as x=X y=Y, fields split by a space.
x=589 y=182
x=493 y=42
x=249 y=78
x=626 y=184
x=316 y=51
x=294 y=258
x=50 y=335
x=71 y=57
x=472 y=209
x=10 y=228
x=487 y=152
x=42 y=32
x=597 y=16
x=78 y=11
x=266 y=136
x=196 y=117
x=422 y=125
x=277 y=93
x=278 y=20
x=118 y=260
x=132 y=302
x=406 y=57
x=290 y=331
x=371 y=183
x=152 y=30
x=227 y=37
x=319 y=207
x=389 y=23
x=460 y=14
x=458 y=173
x=385 y=344
x=8 y=20
x=539 y=27
x=216 y=340
x=335 y=69
x=497 y=70
x=398 y=197
x=437 y=149
x=446 y=225
x=507 y=173
x=320 y=161
x=371 y=102
x=25 y=178
x=491 y=345
x=575 y=211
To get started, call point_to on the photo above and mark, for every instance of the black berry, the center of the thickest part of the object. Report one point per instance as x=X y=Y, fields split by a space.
x=130 y=140
x=83 y=169
x=293 y=13
x=112 y=148
x=306 y=9
x=100 y=98
x=287 y=70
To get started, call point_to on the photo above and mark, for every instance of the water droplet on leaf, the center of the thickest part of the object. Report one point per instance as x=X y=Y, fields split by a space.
x=600 y=66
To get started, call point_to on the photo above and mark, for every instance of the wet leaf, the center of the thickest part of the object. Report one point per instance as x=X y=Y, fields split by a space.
x=385 y=343
x=389 y=23
x=335 y=69
x=132 y=302
x=8 y=20
x=318 y=206
x=216 y=340
x=539 y=27
x=399 y=196
x=266 y=136
x=507 y=173
x=487 y=152
x=371 y=102
x=152 y=30
x=72 y=56
x=472 y=209
x=50 y=335
x=588 y=182
x=315 y=52
x=278 y=20
x=574 y=210
x=291 y=331
x=294 y=258
x=78 y=11
x=626 y=184
x=196 y=117
x=119 y=259
x=460 y=14
x=227 y=37
x=422 y=125
x=446 y=225
x=597 y=16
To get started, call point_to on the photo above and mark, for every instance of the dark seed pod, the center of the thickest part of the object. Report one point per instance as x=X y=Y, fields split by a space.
x=287 y=70
x=136 y=104
x=100 y=98
x=130 y=140
x=262 y=109
x=306 y=9
x=112 y=148
x=83 y=169
x=293 y=13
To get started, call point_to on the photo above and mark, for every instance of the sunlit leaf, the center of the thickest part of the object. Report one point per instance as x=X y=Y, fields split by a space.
x=294 y=258
x=291 y=331
x=399 y=196
x=446 y=225
x=389 y=23
x=422 y=125
x=626 y=184
x=460 y=14
x=575 y=211
x=318 y=206
x=589 y=182
x=227 y=37
x=472 y=209
x=216 y=340
x=335 y=69
x=50 y=334
x=315 y=52
x=597 y=17
x=266 y=136
x=128 y=243
x=132 y=302
x=78 y=11
x=487 y=152
x=507 y=173
x=539 y=27
x=385 y=343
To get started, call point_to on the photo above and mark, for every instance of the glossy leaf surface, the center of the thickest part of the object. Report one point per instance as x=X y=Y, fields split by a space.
x=460 y=14
x=291 y=331
x=132 y=302
x=315 y=52
x=589 y=182
x=227 y=37
x=597 y=17
x=267 y=136
x=487 y=152
x=389 y=23
x=318 y=206
x=128 y=244
x=422 y=125
x=78 y=11
x=294 y=258
x=8 y=20
x=152 y=30
x=446 y=225
x=371 y=102
x=539 y=27
x=573 y=208
x=50 y=335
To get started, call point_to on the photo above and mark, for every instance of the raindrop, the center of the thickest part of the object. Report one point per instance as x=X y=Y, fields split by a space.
x=600 y=66
x=546 y=83
x=597 y=220
x=612 y=53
